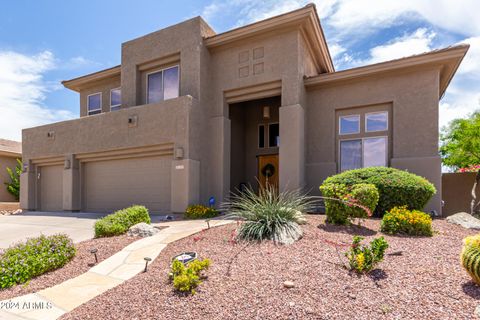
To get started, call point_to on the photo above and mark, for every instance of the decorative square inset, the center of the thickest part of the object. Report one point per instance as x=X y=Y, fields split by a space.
x=243 y=56
x=258 y=68
x=257 y=53
x=243 y=72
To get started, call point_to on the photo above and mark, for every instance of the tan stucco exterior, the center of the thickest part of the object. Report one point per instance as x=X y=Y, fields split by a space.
x=224 y=82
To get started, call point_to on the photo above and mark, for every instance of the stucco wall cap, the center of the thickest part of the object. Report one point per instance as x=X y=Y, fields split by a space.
x=446 y=59
x=76 y=84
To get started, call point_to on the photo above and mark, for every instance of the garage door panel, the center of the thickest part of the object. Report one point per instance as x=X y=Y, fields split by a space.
x=51 y=188
x=115 y=184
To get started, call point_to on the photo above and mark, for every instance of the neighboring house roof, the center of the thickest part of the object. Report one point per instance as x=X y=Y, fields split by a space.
x=10 y=148
x=77 y=83
x=447 y=59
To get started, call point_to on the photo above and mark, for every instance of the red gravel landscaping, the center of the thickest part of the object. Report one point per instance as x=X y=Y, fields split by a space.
x=420 y=278
x=81 y=263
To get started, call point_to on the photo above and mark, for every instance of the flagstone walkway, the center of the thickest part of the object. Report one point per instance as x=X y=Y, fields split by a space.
x=52 y=303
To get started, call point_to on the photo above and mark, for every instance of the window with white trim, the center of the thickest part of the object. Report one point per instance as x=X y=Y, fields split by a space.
x=349 y=124
x=163 y=84
x=376 y=121
x=115 y=99
x=94 y=103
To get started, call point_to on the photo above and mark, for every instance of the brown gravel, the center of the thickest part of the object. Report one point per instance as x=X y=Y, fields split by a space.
x=81 y=263
x=246 y=282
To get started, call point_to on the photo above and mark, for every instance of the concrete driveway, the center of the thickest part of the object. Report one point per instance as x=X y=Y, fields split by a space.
x=15 y=228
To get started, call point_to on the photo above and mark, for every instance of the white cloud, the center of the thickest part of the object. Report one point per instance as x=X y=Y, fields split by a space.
x=419 y=41
x=22 y=91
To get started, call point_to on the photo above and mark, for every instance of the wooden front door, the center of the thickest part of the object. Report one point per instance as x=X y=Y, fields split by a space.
x=268 y=170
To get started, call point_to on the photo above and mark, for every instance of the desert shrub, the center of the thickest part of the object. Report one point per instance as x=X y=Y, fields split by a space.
x=400 y=220
x=13 y=186
x=36 y=256
x=269 y=214
x=118 y=223
x=187 y=278
x=342 y=203
x=470 y=257
x=199 y=211
x=395 y=187
x=363 y=258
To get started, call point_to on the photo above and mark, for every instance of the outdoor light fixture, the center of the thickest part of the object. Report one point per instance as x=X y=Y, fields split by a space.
x=147 y=260
x=266 y=112
x=94 y=252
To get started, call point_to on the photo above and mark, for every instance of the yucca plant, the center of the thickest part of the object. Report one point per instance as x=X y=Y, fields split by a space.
x=269 y=214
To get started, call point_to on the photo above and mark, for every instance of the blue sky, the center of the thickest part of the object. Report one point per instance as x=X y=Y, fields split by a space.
x=44 y=42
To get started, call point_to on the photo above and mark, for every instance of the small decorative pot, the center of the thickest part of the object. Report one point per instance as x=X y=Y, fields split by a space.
x=470 y=257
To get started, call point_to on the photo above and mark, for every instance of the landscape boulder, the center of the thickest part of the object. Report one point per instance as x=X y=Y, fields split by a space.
x=465 y=220
x=142 y=229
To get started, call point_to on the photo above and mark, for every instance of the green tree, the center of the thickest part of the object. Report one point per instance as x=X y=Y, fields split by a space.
x=13 y=186
x=460 y=142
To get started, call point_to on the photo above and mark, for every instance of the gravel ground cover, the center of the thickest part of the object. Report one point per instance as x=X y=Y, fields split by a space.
x=420 y=278
x=81 y=263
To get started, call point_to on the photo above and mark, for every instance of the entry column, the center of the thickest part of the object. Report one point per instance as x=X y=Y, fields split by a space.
x=71 y=184
x=292 y=147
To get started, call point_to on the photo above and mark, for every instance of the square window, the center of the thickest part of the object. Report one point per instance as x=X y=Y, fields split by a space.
x=350 y=154
x=261 y=136
x=273 y=135
x=349 y=124
x=375 y=152
x=94 y=103
x=377 y=121
x=115 y=99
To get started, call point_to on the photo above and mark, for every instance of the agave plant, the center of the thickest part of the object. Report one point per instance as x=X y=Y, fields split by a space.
x=269 y=214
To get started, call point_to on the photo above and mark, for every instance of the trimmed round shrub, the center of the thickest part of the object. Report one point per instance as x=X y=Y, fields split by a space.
x=343 y=202
x=199 y=211
x=396 y=187
x=36 y=256
x=400 y=220
x=470 y=257
x=120 y=221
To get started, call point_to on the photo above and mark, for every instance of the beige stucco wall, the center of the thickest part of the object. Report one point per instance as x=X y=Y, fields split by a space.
x=10 y=162
x=457 y=192
x=413 y=96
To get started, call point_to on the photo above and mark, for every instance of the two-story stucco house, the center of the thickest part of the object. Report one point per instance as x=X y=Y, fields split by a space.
x=191 y=114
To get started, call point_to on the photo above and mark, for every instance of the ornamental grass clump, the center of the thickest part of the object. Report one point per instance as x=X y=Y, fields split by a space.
x=198 y=211
x=400 y=220
x=269 y=214
x=470 y=257
x=362 y=258
x=36 y=256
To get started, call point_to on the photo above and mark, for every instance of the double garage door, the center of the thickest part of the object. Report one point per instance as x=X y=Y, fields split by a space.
x=113 y=184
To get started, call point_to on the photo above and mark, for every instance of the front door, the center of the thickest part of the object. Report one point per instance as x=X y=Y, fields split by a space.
x=268 y=170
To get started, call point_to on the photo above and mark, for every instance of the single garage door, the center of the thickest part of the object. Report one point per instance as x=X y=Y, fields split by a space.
x=51 y=188
x=116 y=184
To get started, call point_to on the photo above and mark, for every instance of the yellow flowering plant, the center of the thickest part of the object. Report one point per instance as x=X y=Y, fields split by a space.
x=400 y=220
x=199 y=211
x=363 y=258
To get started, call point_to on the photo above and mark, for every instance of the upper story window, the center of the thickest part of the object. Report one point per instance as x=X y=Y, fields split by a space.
x=349 y=124
x=367 y=143
x=115 y=99
x=94 y=103
x=163 y=84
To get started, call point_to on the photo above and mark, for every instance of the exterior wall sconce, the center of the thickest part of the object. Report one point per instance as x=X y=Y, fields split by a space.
x=179 y=153
x=67 y=164
x=266 y=112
